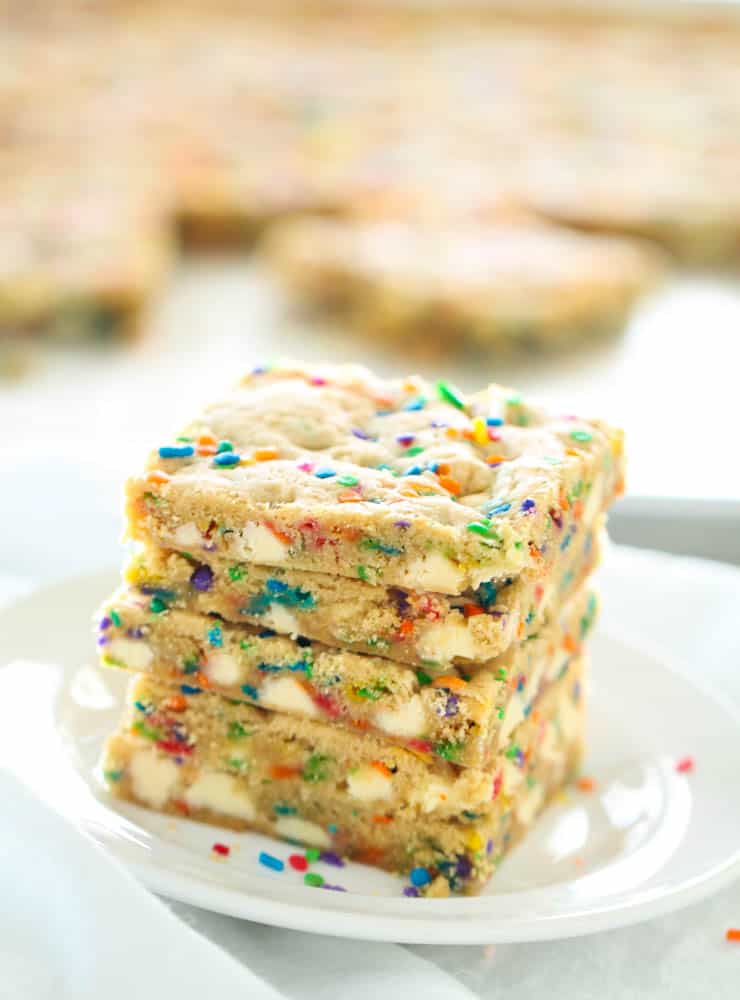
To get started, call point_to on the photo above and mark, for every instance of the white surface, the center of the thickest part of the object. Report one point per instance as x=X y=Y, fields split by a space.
x=670 y=380
x=648 y=841
x=686 y=607
x=74 y=924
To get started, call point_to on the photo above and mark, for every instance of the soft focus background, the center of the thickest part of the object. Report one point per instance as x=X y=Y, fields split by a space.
x=146 y=148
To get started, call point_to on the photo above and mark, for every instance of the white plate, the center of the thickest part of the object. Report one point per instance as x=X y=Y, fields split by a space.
x=646 y=841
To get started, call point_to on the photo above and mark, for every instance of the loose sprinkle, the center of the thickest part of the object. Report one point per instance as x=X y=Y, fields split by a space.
x=298 y=862
x=480 y=431
x=157 y=477
x=586 y=784
x=331 y=858
x=176 y=451
x=221 y=849
x=312 y=854
x=270 y=861
x=494 y=421
x=581 y=435
x=685 y=765
x=324 y=473
x=202 y=578
x=313 y=879
x=451 y=485
x=528 y=505
x=450 y=394
x=419 y=877
x=471 y=610
x=450 y=682
x=732 y=934
x=224 y=446
x=281 y=771
x=227 y=459
x=266 y=454
x=348 y=480
x=381 y=768
x=475 y=842
x=482 y=528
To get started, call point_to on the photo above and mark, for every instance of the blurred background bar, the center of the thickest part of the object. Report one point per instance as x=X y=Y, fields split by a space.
x=542 y=194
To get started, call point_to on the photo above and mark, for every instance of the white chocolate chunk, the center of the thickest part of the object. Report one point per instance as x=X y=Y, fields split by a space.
x=471 y=789
x=261 y=546
x=594 y=502
x=569 y=716
x=529 y=804
x=153 y=778
x=406 y=721
x=550 y=747
x=512 y=777
x=223 y=668
x=187 y=536
x=295 y=828
x=221 y=793
x=285 y=694
x=368 y=784
x=434 y=572
x=444 y=641
x=281 y=620
x=133 y=653
x=431 y=795
x=513 y=715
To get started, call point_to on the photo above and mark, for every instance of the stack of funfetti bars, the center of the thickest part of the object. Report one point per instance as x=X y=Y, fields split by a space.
x=357 y=615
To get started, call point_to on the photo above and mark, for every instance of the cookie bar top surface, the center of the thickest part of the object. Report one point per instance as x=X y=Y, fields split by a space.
x=397 y=481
